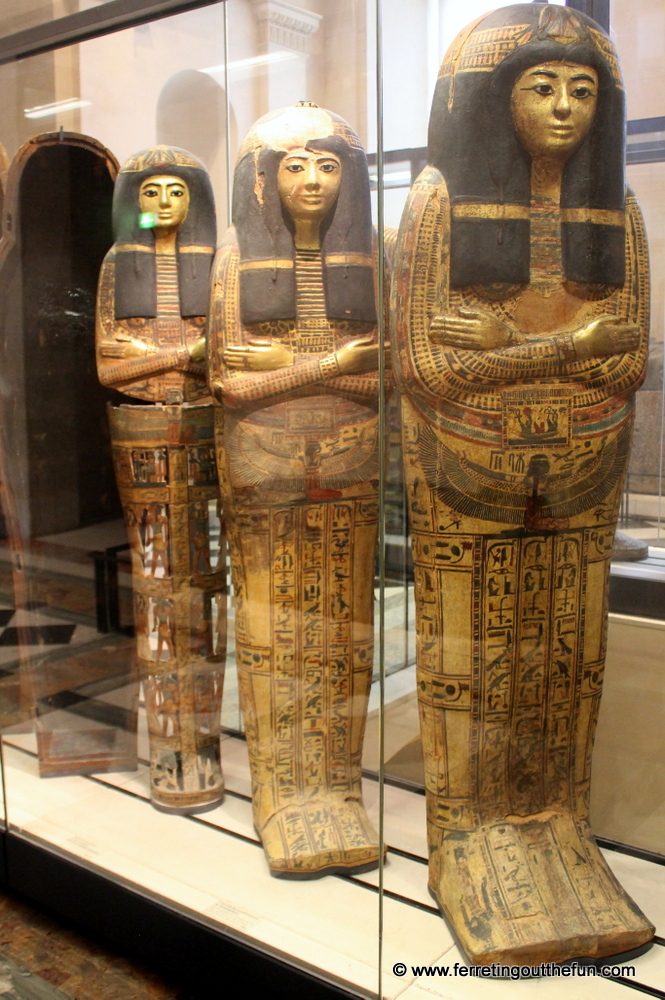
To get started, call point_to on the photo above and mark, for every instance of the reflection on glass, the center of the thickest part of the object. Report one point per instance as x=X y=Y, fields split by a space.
x=177 y=67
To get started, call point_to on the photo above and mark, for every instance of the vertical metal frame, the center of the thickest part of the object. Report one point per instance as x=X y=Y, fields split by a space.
x=381 y=333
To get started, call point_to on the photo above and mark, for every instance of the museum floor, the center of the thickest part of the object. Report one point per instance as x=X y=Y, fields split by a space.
x=42 y=959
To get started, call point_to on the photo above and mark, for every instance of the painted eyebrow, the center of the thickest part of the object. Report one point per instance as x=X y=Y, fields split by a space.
x=555 y=76
x=297 y=156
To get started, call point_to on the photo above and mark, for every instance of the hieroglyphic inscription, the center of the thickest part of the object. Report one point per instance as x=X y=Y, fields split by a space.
x=177 y=593
x=318 y=670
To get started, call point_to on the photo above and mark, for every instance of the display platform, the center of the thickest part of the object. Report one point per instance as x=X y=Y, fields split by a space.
x=211 y=869
x=638 y=588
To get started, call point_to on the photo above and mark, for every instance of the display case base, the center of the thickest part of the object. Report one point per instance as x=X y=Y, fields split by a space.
x=190 y=953
x=210 y=871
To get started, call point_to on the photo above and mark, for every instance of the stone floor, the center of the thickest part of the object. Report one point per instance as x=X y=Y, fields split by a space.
x=42 y=959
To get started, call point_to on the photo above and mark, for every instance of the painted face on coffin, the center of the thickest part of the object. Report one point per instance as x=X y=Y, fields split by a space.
x=166 y=199
x=308 y=183
x=553 y=106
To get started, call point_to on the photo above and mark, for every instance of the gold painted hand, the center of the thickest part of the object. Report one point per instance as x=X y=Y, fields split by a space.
x=470 y=330
x=606 y=335
x=124 y=348
x=258 y=356
x=358 y=356
x=197 y=352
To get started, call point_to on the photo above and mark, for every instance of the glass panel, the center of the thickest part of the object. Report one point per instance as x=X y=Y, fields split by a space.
x=121 y=594
x=80 y=89
x=425 y=742
x=302 y=511
x=628 y=776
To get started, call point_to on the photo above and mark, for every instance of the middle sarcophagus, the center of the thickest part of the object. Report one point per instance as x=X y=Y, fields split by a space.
x=293 y=359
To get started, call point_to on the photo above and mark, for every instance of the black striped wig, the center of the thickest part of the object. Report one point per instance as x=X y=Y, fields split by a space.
x=265 y=230
x=473 y=142
x=135 y=268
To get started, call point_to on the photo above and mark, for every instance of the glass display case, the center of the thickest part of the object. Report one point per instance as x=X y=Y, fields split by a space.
x=240 y=538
